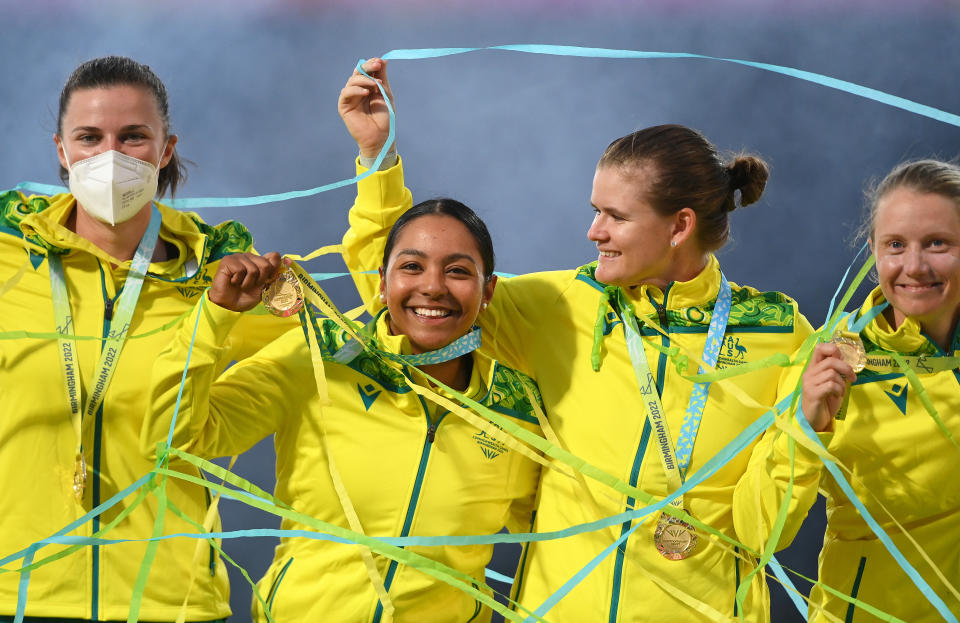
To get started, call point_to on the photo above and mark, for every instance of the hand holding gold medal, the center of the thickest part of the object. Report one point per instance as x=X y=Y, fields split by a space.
x=283 y=296
x=851 y=350
x=244 y=280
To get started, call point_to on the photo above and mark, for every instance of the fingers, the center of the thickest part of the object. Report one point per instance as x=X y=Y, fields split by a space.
x=827 y=356
x=246 y=271
x=825 y=382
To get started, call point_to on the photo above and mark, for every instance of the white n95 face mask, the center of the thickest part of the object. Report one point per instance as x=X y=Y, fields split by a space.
x=112 y=187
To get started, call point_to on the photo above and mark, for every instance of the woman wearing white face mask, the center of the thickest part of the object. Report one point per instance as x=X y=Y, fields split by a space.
x=93 y=279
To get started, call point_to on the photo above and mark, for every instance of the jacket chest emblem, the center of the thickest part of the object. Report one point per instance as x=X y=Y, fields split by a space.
x=732 y=352
x=368 y=394
x=490 y=446
x=898 y=394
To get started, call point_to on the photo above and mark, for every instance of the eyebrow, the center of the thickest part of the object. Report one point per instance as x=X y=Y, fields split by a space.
x=449 y=258
x=126 y=128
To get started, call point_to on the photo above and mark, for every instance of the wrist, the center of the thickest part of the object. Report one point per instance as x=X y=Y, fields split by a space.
x=389 y=159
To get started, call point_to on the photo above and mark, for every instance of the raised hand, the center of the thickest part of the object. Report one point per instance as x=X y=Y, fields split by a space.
x=363 y=109
x=240 y=279
x=825 y=382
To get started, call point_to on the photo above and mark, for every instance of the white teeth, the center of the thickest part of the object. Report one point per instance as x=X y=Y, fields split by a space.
x=431 y=313
x=609 y=254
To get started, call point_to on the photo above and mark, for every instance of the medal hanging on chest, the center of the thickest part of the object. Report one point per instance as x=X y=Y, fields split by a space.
x=675 y=539
x=79 y=476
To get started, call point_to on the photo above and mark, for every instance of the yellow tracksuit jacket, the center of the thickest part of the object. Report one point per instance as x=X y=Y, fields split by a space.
x=409 y=467
x=543 y=324
x=900 y=459
x=37 y=439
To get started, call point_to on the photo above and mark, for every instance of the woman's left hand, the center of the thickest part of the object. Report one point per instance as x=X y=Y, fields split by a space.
x=363 y=109
x=240 y=279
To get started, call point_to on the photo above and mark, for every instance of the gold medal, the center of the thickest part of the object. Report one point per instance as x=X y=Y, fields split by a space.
x=282 y=296
x=79 y=476
x=674 y=538
x=851 y=350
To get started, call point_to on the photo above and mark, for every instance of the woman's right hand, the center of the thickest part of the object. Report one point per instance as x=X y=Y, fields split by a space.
x=363 y=109
x=240 y=279
x=825 y=382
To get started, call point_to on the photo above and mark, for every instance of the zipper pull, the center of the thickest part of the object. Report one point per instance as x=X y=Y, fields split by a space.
x=432 y=433
x=108 y=309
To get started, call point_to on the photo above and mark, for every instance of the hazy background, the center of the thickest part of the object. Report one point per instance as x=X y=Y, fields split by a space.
x=253 y=88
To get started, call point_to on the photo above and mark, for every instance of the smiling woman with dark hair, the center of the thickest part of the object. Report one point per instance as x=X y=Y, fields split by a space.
x=408 y=466
x=604 y=342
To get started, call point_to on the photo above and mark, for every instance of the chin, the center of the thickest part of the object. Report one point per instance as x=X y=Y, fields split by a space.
x=608 y=276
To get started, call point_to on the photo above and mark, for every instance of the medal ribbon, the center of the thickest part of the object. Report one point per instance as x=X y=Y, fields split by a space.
x=110 y=354
x=653 y=406
x=885 y=361
x=463 y=345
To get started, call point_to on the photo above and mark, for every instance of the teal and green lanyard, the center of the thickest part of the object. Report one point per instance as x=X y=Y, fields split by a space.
x=112 y=345
x=675 y=464
x=463 y=345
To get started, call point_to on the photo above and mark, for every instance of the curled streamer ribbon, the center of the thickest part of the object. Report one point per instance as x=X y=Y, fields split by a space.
x=149 y=483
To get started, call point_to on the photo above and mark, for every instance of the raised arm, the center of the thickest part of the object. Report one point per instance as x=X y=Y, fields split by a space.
x=229 y=415
x=763 y=488
x=381 y=197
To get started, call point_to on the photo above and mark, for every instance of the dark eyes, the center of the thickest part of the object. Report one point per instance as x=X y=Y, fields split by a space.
x=415 y=267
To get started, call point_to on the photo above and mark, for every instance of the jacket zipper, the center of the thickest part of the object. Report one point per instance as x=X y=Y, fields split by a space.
x=414 y=496
x=638 y=460
x=108 y=305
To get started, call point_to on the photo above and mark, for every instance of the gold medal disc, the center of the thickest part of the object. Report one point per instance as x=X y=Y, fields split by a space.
x=79 y=476
x=282 y=296
x=675 y=539
x=851 y=350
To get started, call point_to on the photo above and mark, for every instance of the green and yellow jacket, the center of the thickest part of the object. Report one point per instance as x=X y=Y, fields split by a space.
x=37 y=438
x=553 y=326
x=901 y=462
x=409 y=467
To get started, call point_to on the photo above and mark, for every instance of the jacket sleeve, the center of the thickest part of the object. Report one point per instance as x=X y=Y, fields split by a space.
x=226 y=416
x=381 y=199
x=762 y=490
x=524 y=311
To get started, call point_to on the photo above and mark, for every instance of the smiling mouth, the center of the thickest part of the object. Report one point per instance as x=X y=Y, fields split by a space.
x=431 y=312
x=919 y=287
x=609 y=253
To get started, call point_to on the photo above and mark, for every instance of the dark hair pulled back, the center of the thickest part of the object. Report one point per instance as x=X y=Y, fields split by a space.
x=109 y=71
x=447 y=207
x=685 y=171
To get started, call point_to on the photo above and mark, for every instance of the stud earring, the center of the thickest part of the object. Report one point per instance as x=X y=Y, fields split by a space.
x=483 y=306
x=673 y=243
x=383 y=299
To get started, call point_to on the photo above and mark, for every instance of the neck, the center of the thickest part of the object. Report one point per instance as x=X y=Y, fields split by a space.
x=119 y=241
x=681 y=266
x=454 y=373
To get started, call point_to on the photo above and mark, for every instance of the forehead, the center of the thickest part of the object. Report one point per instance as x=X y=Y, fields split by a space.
x=904 y=210
x=437 y=234
x=621 y=186
x=125 y=103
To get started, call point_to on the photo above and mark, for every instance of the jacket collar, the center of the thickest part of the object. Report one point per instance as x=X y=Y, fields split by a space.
x=908 y=338
x=47 y=230
x=698 y=291
x=481 y=375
